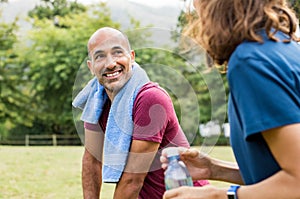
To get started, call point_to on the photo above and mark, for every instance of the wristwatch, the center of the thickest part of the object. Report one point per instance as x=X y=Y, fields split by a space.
x=231 y=192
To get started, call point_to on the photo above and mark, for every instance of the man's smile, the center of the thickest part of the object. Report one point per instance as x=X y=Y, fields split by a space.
x=113 y=74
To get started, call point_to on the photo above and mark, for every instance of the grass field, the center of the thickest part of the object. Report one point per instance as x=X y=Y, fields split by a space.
x=54 y=172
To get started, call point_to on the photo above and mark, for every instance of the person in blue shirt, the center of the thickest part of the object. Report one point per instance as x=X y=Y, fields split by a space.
x=256 y=41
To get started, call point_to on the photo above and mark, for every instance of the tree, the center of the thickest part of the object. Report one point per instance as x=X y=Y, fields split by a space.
x=51 y=57
x=51 y=8
x=209 y=84
x=37 y=75
x=13 y=94
x=54 y=58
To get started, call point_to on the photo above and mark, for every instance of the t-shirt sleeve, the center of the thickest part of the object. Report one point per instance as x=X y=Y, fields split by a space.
x=266 y=96
x=92 y=127
x=151 y=115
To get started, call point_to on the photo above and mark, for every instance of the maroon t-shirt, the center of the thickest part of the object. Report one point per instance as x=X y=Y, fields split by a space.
x=154 y=120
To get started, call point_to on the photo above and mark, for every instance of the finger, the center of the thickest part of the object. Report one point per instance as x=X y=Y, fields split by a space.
x=164 y=162
x=170 y=194
x=182 y=150
x=163 y=159
x=190 y=153
x=164 y=166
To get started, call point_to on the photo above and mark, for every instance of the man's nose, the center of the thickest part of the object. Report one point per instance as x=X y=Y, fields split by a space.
x=110 y=61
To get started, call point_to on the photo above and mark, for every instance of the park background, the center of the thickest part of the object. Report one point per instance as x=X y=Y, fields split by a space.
x=42 y=64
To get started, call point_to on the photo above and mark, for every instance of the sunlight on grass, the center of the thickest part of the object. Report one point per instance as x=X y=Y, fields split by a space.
x=40 y=172
x=54 y=172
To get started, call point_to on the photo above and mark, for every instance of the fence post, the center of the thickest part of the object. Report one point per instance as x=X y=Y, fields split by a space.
x=54 y=140
x=26 y=140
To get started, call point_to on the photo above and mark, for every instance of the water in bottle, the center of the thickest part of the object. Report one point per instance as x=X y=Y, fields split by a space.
x=176 y=174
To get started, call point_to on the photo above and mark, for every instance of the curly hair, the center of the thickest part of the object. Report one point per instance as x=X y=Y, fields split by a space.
x=223 y=24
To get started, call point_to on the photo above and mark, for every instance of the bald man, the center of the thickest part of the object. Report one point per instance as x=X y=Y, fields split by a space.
x=155 y=125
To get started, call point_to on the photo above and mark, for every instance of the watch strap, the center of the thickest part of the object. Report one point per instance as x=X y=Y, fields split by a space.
x=232 y=192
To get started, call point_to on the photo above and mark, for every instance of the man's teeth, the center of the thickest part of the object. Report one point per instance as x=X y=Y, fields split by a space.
x=113 y=74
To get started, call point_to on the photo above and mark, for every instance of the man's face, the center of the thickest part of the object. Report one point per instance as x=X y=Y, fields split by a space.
x=111 y=61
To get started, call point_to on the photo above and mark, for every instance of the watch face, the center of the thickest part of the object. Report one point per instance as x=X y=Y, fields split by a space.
x=231 y=196
x=231 y=193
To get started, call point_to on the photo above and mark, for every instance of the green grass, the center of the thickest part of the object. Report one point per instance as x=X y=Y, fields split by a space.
x=54 y=172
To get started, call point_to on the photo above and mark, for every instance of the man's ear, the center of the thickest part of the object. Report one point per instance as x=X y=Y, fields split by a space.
x=90 y=65
x=132 y=56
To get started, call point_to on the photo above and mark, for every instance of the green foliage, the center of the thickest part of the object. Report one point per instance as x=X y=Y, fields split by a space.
x=51 y=8
x=209 y=84
x=37 y=71
x=295 y=4
x=13 y=99
x=51 y=58
x=198 y=94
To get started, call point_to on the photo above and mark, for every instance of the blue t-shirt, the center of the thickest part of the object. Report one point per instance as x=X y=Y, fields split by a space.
x=264 y=81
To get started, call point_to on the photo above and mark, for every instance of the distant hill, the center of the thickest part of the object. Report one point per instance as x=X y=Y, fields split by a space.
x=163 y=19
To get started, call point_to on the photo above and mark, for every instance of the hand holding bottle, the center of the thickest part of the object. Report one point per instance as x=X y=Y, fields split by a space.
x=198 y=165
x=176 y=174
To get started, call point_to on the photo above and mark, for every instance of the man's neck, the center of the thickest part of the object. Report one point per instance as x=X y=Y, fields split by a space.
x=111 y=94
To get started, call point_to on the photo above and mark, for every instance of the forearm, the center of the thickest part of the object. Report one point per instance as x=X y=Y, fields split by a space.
x=225 y=171
x=91 y=177
x=281 y=185
x=129 y=186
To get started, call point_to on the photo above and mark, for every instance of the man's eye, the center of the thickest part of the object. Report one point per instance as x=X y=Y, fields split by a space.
x=118 y=52
x=99 y=56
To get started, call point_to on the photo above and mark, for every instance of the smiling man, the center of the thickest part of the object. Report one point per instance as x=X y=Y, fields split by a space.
x=107 y=47
x=135 y=120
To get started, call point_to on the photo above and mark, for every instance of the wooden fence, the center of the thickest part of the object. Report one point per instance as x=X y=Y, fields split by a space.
x=44 y=140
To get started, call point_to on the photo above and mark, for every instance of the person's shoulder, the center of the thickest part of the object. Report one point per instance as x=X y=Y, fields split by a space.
x=248 y=49
x=152 y=88
x=153 y=92
x=266 y=48
x=268 y=51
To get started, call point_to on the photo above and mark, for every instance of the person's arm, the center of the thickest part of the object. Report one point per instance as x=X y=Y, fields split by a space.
x=139 y=161
x=284 y=145
x=225 y=171
x=92 y=164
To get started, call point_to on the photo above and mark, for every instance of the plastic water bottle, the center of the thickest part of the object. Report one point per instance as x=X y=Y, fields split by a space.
x=176 y=174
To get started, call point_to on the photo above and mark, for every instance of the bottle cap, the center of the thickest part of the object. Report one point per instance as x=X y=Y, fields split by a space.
x=172 y=151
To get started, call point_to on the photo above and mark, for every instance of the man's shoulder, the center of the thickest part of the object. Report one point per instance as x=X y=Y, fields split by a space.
x=152 y=90
x=152 y=93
